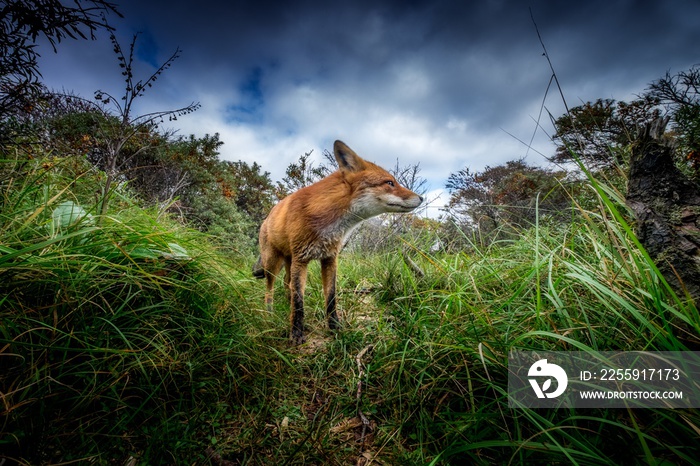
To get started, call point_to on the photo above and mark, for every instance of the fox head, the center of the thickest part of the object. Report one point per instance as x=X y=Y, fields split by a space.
x=374 y=190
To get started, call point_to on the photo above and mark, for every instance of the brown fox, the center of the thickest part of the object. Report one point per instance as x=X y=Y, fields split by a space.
x=313 y=223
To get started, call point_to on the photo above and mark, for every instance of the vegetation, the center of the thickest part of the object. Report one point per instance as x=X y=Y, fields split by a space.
x=133 y=337
x=501 y=201
x=106 y=325
x=599 y=131
x=22 y=22
x=131 y=331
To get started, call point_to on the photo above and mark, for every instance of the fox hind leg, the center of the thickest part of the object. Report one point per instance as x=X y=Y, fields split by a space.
x=271 y=271
x=287 y=278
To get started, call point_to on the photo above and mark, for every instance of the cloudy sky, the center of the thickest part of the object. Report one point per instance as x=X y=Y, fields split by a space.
x=446 y=84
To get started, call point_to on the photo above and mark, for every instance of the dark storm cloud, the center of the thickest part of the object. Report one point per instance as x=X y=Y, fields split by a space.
x=435 y=82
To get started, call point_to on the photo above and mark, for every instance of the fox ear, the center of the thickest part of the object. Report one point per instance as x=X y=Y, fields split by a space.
x=348 y=160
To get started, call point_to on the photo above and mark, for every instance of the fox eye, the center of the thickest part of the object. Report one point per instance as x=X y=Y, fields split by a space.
x=390 y=183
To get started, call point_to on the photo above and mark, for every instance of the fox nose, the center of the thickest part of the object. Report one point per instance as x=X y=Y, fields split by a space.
x=421 y=198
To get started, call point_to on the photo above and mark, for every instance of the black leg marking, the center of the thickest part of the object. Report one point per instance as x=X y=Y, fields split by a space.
x=297 y=334
x=333 y=322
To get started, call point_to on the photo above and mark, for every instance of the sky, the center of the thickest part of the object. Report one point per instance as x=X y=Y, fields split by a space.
x=444 y=84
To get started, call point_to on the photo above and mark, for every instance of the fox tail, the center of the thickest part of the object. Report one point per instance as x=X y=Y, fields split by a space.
x=258 y=270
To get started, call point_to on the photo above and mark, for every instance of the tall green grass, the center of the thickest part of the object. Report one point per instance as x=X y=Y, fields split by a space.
x=128 y=338
x=588 y=286
x=118 y=335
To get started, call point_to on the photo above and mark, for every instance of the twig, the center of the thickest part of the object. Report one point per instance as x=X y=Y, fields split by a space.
x=551 y=67
x=415 y=268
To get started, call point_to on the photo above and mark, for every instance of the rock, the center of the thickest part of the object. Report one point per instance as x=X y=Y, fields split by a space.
x=666 y=204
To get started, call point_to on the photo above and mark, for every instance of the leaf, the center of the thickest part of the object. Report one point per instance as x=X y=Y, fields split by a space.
x=178 y=252
x=69 y=213
x=145 y=253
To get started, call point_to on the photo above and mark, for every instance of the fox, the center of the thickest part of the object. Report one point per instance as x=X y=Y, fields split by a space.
x=314 y=222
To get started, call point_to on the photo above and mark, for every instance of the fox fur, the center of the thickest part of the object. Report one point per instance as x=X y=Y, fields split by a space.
x=313 y=223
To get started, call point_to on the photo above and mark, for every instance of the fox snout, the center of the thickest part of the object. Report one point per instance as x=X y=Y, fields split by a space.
x=388 y=197
x=413 y=202
x=404 y=205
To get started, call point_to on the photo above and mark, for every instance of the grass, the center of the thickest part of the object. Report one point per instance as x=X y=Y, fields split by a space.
x=114 y=331
x=586 y=287
x=126 y=338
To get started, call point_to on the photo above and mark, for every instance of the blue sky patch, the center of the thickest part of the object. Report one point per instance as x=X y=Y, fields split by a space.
x=147 y=49
x=249 y=108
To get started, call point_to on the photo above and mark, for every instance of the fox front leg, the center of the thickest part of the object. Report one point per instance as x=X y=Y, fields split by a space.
x=297 y=286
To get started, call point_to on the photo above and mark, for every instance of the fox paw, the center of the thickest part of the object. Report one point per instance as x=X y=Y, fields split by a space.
x=297 y=338
x=334 y=323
